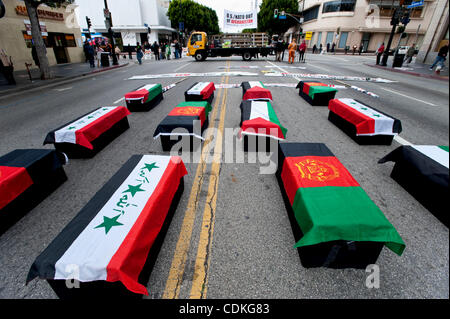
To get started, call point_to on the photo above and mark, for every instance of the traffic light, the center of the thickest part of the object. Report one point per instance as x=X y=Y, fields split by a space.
x=88 y=21
x=275 y=13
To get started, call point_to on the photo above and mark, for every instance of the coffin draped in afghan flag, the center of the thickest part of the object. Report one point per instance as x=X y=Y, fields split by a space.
x=316 y=93
x=334 y=221
x=90 y=133
x=145 y=98
x=424 y=172
x=363 y=123
x=112 y=244
x=27 y=176
x=186 y=119
x=255 y=90
x=200 y=91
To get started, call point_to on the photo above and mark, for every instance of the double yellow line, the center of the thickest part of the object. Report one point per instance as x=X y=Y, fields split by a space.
x=176 y=273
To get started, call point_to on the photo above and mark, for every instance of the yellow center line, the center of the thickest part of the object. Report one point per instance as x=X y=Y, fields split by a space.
x=200 y=279
x=174 y=280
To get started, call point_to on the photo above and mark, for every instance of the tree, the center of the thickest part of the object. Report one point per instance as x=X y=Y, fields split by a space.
x=267 y=22
x=38 y=41
x=195 y=16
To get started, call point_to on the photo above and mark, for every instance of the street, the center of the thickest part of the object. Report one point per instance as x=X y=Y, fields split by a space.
x=247 y=250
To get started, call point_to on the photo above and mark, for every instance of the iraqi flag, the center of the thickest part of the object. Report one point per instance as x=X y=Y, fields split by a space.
x=316 y=93
x=255 y=90
x=259 y=118
x=367 y=120
x=109 y=240
x=88 y=127
x=184 y=116
x=144 y=95
x=200 y=91
x=328 y=203
x=423 y=170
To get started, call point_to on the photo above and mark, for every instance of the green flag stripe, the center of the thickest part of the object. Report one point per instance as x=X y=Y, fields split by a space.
x=154 y=92
x=274 y=119
x=445 y=148
x=319 y=89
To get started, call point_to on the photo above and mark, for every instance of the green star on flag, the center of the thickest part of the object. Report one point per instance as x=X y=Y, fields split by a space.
x=134 y=189
x=377 y=115
x=108 y=223
x=364 y=108
x=72 y=128
x=150 y=166
x=90 y=117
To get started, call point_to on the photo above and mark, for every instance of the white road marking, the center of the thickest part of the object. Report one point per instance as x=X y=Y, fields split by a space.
x=407 y=96
x=64 y=89
x=401 y=141
x=177 y=69
x=119 y=100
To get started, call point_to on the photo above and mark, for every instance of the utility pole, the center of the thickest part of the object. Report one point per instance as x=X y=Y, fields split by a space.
x=108 y=23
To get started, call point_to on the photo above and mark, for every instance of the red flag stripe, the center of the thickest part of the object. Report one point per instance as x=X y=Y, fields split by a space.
x=261 y=126
x=13 y=182
x=190 y=111
x=363 y=123
x=257 y=93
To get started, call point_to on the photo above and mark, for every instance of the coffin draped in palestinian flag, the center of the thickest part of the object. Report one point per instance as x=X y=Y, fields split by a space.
x=259 y=118
x=255 y=90
x=423 y=170
x=361 y=120
x=200 y=91
x=27 y=176
x=328 y=203
x=110 y=239
x=316 y=93
x=144 y=98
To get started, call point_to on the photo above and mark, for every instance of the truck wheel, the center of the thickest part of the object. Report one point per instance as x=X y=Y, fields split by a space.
x=199 y=57
x=246 y=56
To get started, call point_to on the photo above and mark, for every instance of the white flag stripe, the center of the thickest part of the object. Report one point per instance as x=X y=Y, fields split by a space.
x=383 y=124
x=259 y=109
x=255 y=84
x=198 y=88
x=67 y=133
x=93 y=249
x=148 y=87
x=434 y=152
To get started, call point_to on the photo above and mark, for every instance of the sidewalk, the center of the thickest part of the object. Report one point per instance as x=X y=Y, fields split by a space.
x=61 y=72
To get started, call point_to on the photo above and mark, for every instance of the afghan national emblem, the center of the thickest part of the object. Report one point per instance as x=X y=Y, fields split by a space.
x=318 y=171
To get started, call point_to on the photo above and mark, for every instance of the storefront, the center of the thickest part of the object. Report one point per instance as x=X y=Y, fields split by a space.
x=59 y=29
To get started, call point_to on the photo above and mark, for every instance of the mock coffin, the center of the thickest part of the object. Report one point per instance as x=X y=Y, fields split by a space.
x=255 y=90
x=145 y=98
x=108 y=245
x=363 y=123
x=316 y=93
x=87 y=135
x=200 y=91
x=186 y=119
x=335 y=223
x=27 y=176
x=424 y=172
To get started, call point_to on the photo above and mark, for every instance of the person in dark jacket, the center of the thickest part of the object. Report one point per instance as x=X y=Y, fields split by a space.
x=442 y=55
x=155 y=49
x=139 y=53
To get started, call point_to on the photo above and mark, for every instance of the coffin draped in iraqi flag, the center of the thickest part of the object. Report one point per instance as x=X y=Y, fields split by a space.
x=144 y=98
x=423 y=170
x=87 y=128
x=255 y=90
x=109 y=240
x=316 y=93
x=200 y=91
x=328 y=203
x=259 y=118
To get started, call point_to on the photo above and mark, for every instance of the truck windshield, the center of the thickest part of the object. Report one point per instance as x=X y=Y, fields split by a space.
x=196 y=37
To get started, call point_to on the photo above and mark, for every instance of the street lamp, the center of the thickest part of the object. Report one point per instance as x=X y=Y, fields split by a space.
x=108 y=24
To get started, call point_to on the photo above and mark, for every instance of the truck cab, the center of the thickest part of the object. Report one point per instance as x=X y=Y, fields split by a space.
x=197 y=45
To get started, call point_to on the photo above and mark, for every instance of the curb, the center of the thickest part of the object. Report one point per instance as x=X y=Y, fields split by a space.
x=429 y=76
x=55 y=82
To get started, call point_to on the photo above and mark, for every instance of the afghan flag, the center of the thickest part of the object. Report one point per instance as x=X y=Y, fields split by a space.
x=87 y=128
x=200 y=91
x=316 y=93
x=255 y=90
x=328 y=203
x=259 y=118
x=109 y=240
x=367 y=120
x=423 y=170
x=20 y=169
x=149 y=94
x=184 y=116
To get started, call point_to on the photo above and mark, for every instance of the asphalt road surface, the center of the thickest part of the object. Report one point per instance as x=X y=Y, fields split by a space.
x=230 y=236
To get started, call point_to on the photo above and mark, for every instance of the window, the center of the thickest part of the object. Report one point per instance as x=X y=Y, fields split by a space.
x=196 y=37
x=386 y=8
x=339 y=6
x=70 y=40
x=319 y=38
x=311 y=13
x=343 y=40
x=29 y=39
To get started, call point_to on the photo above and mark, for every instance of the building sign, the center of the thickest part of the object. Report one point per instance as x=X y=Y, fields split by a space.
x=42 y=14
x=240 y=19
x=308 y=35
x=41 y=24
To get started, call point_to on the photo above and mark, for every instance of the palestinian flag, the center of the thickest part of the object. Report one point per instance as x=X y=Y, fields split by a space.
x=145 y=98
x=367 y=120
x=84 y=130
x=328 y=203
x=200 y=91
x=109 y=240
x=255 y=90
x=316 y=93
x=259 y=118
x=424 y=172
x=183 y=116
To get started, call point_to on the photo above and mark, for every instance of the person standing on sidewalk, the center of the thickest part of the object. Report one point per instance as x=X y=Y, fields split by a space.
x=380 y=52
x=155 y=49
x=410 y=53
x=168 y=51
x=302 y=50
x=442 y=55
x=7 y=67
x=139 y=53
x=90 y=55
x=292 y=48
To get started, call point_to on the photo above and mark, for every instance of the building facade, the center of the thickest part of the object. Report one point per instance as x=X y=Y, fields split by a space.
x=60 y=31
x=130 y=19
x=354 y=22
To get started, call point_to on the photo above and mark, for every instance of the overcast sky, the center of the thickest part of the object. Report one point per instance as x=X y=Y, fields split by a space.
x=232 y=5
